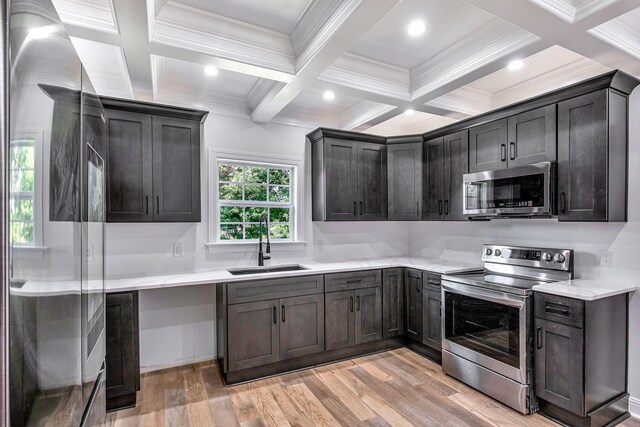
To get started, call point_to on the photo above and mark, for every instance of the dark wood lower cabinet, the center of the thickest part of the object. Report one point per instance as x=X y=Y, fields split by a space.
x=368 y=315
x=392 y=302
x=432 y=328
x=301 y=326
x=122 y=345
x=340 y=319
x=413 y=303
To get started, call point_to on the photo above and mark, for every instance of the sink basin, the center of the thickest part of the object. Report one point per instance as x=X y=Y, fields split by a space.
x=266 y=269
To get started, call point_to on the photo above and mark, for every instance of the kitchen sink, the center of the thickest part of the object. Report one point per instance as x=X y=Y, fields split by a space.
x=266 y=269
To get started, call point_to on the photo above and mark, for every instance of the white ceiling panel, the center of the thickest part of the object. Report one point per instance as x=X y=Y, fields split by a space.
x=276 y=15
x=447 y=22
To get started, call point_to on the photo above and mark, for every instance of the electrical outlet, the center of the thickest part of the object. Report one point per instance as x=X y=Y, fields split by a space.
x=606 y=257
x=177 y=250
x=320 y=245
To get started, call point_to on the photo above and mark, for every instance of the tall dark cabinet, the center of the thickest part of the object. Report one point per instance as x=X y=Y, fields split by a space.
x=446 y=160
x=153 y=162
x=413 y=303
x=349 y=176
x=404 y=170
x=392 y=302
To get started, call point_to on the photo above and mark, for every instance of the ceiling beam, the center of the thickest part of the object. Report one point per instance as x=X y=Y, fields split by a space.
x=351 y=20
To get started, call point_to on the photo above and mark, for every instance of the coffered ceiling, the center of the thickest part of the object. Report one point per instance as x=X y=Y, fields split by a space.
x=274 y=60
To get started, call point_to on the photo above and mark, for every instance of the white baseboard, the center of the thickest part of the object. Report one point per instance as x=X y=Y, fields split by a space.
x=144 y=369
x=634 y=406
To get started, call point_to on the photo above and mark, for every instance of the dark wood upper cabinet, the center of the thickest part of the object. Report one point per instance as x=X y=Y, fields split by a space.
x=392 y=302
x=405 y=181
x=153 y=162
x=130 y=162
x=176 y=169
x=349 y=178
x=446 y=160
x=413 y=304
x=532 y=136
x=488 y=146
x=592 y=157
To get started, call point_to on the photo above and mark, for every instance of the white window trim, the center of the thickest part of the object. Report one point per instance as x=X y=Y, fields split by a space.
x=38 y=201
x=297 y=194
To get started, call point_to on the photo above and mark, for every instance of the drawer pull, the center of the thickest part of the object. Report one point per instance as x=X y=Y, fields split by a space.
x=558 y=311
x=354 y=281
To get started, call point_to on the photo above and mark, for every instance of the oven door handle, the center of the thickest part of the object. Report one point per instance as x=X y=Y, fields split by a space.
x=483 y=294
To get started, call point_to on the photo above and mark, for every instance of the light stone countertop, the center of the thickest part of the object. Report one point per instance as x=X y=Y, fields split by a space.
x=587 y=289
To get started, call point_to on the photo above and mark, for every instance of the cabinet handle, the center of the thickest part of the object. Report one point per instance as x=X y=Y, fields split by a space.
x=512 y=150
x=358 y=302
x=439 y=207
x=158 y=203
x=354 y=208
x=539 y=338
x=563 y=203
x=418 y=285
x=147 y=203
x=559 y=310
x=446 y=207
x=417 y=208
x=503 y=152
x=361 y=207
x=275 y=315
x=351 y=304
x=283 y=313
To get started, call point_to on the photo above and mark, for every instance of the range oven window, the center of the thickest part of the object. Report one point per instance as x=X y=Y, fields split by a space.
x=517 y=192
x=485 y=327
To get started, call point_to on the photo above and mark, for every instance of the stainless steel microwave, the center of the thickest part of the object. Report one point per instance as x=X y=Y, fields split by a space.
x=524 y=191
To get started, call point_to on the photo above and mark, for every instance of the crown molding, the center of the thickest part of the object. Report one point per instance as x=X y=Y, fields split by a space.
x=190 y=28
x=311 y=22
x=363 y=112
x=259 y=91
x=218 y=105
x=467 y=55
x=368 y=75
x=466 y=100
x=619 y=35
x=570 y=13
x=93 y=14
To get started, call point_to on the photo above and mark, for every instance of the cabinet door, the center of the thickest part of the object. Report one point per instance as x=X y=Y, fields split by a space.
x=122 y=348
x=129 y=165
x=413 y=303
x=339 y=319
x=405 y=181
x=253 y=330
x=532 y=136
x=368 y=318
x=372 y=181
x=582 y=158
x=488 y=146
x=559 y=362
x=176 y=169
x=432 y=326
x=456 y=164
x=392 y=302
x=341 y=179
x=301 y=326
x=433 y=204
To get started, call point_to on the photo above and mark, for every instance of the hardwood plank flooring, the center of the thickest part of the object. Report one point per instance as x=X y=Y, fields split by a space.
x=394 y=388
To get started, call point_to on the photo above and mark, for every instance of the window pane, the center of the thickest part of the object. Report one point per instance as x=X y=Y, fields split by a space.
x=253 y=214
x=255 y=192
x=254 y=174
x=280 y=231
x=22 y=157
x=253 y=233
x=230 y=232
x=26 y=183
x=230 y=173
x=279 y=176
x=21 y=232
x=230 y=214
x=230 y=192
x=278 y=194
x=22 y=209
x=279 y=215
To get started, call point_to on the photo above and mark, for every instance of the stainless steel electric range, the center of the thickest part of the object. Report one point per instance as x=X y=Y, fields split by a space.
x=487 y=320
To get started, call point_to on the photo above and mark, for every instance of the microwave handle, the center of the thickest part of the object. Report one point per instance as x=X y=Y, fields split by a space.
x=483 y=294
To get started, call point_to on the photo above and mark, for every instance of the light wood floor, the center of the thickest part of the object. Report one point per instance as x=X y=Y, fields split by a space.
x=395 y=388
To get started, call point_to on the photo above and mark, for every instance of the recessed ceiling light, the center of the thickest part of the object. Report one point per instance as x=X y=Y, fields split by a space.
x=210 y=70
x=409 y=112
x=328 y=95
x=515 y=65
x=415 y=28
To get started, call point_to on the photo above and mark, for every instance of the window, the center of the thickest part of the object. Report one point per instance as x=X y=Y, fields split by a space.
x=246 y=191
x=22 y=192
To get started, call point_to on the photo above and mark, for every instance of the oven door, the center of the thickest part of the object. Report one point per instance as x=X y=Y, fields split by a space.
x=487 y=327
x=522 y=191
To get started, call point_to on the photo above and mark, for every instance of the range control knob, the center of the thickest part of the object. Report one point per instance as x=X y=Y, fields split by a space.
x=498 y=252
x=547 y=256
x=488 y=251
x=559 y=258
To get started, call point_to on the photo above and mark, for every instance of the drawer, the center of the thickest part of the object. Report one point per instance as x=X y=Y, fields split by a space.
x=352 y=280
x=567 y=311
x=431 y=281
x=260 y=290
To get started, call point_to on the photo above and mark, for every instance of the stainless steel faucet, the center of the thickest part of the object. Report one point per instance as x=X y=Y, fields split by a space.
x=261 y=257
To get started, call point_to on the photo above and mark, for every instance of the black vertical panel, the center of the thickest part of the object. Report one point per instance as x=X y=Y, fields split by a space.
x=456 y=164
x=405 y=181
x=372 y=181
x=433 y=206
